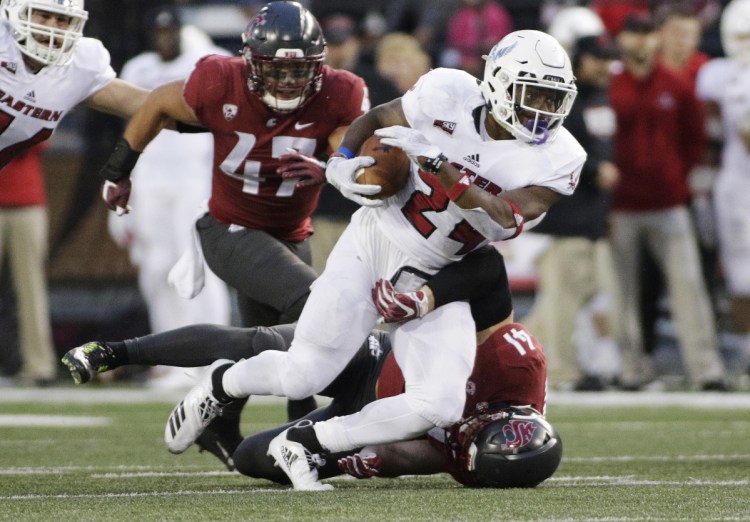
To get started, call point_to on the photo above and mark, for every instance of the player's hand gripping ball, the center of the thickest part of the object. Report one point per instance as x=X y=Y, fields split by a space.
x=390 y=170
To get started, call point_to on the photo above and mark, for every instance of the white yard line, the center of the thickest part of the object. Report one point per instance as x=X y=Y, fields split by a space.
x=47 y=421
x=97 y=394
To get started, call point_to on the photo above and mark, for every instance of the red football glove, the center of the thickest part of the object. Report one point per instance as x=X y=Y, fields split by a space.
x=361 y=466
x=396 y=307
x=116 y=195
x=310 y=170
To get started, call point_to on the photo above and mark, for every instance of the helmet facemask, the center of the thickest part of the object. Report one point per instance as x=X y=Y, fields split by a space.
x=529 y=86
x=284 y=49
x=42 y=43
x=284 y=84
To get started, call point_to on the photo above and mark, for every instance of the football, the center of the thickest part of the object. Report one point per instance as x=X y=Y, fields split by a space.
x=390 y=170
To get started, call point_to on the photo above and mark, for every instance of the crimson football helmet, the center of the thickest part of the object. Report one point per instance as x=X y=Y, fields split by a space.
x=284 y=49
x=45 y=44
x=511 y=448
x=528 y=85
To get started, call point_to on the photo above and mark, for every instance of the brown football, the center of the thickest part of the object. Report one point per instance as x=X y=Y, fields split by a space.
x=390 y=171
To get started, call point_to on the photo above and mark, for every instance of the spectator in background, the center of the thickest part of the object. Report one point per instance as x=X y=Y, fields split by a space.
x=473 y=29
x=24 y=227
x=158 y=233
x=724 y=85
x=577 y=266
x=659 y=138
x=426 y=20
x=614 y=12
x=679 y=30
x=401 y=58
x=680 y=35
x=344 y=52
x=570 y=23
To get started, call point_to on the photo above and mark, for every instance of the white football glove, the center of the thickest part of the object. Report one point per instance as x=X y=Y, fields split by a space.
x=411 y=141
x=342 y=174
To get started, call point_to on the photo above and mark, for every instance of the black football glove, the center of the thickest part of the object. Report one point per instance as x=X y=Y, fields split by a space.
x=116 y=174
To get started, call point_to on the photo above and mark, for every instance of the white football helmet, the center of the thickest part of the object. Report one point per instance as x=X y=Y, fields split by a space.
x=523 y=69
x=573 y=22
x=45 y=44
x=735 y=30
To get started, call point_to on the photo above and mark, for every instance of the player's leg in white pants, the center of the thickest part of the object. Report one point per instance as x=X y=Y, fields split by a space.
x=436 y=355
x=336 y=320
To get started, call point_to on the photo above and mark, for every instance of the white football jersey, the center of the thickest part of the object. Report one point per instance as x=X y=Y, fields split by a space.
x=32 y=105
x=726 y=83
x=447 y=106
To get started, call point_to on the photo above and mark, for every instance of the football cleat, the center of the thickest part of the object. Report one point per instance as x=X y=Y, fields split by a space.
x=193 y=413
x=218 y=444
x=299 y=464
x=87 y=360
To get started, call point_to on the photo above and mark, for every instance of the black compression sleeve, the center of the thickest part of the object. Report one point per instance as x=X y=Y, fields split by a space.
x=480 y=278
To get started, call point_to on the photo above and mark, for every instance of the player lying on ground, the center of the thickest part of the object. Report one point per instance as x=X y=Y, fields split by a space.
x=510 y=370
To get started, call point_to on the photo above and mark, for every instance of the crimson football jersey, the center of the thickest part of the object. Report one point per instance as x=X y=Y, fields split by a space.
x=249 y=138
x=510 y=367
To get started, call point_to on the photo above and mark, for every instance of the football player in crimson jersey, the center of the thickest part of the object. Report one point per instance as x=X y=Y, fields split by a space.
x=486 y=158
x=510 y=370
x=47 y=68
x=272 y=112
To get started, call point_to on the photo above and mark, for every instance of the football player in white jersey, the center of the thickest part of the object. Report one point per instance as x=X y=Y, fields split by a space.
x=47 y=67
x=488 y=159
x=724 y=85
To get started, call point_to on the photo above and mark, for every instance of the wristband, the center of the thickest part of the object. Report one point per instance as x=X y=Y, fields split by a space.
x=432 y=165
x=461 y=186
x=517 y=216
x=343 y=151
x=120 y=162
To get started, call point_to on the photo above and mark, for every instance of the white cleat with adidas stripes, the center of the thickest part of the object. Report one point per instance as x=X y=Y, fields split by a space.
x=193 y=413
x=299 y=464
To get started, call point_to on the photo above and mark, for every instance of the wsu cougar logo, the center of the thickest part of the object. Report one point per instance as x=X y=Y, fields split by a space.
x=230 y=111
x=518 y=433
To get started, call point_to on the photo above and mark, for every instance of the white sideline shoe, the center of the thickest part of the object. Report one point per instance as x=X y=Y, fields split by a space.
x=193 y=413
x=297 y=462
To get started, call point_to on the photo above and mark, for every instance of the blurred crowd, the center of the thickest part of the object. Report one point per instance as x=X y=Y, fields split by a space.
x=636 y=244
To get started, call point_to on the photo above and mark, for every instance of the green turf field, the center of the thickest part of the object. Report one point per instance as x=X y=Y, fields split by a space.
x=73 y=460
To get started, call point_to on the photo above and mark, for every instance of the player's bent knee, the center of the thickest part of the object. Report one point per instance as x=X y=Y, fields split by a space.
x=296 y=383
x=440 y=411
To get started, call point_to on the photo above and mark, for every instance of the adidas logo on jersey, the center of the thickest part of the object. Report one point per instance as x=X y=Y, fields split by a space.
x=447 y=126
x=473 y=159
x=31 y=96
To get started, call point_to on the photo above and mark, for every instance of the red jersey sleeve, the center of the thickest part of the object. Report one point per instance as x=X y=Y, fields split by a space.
x=208 y=83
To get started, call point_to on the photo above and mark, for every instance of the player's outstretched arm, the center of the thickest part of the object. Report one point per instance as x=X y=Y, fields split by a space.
x=119 y=98
x=162 y=106
x=411 y=457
